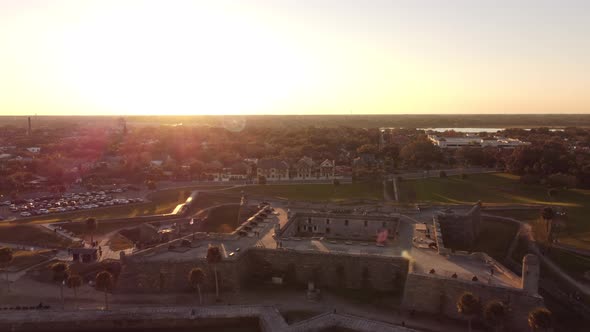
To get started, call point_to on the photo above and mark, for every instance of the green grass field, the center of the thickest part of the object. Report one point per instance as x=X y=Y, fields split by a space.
x=505 y=189
x=316 y=192
x=33 y=235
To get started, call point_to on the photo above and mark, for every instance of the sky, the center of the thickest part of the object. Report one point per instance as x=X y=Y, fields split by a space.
x=116 y=57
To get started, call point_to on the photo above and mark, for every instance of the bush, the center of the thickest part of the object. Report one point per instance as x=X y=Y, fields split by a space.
x=442 y=174
x=261 y=180
x=463 y=176
x=561 y=180
x=530 y=179
x=336 y=182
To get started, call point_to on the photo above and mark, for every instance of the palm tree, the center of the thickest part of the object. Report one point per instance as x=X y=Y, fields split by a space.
x=91 y=226
x=104 y=282
x=60 y=274
x=547 y=214
x=196 y=277
x=495 y=314
x=6 y=257
x=213 y=258
x=540 y=319
x=74 y=281
x=468 y=306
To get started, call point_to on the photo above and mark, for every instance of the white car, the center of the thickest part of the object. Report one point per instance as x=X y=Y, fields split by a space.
x=25 y=214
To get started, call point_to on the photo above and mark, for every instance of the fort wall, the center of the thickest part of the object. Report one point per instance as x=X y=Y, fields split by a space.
x=435 y=294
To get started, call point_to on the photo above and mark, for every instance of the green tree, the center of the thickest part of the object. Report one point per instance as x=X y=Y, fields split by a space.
x=468 y=305
x=547 y=214
x=6 y=257
x=105 y=283
x=60 y=274
x=196 y=276
x=73 y=282
x=495 y=314
x=91 y=226
x=540 y=319
x=214 y=258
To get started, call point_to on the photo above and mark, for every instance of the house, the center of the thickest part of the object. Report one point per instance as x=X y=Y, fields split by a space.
x=34 y=149
x=272 y=169
x=327 y=169
x=156 y=163
x=238 y=171
x=304 y=169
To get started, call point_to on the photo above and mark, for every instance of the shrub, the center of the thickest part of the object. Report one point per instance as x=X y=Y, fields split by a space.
x=336 y=182
x=530 y=179
x=442 y=174
x=463 y=176
x=561 y=180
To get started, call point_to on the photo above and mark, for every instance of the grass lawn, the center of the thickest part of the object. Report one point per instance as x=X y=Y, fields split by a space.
x=24 y=258
x=33 y=235
x=574 y=265
x=102 y=228
x=119 y=242
x=502 y=189
x=316 y=192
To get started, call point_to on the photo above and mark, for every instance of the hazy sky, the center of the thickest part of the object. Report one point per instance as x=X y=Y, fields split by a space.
x=279 y=57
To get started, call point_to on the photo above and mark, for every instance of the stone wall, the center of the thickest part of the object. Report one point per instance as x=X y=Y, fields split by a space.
x=438 y=295
x=326 y=269
x=334 y=269
x=460 y=230
x=339 y=226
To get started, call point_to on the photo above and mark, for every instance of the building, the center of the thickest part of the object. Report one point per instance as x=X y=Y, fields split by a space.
x=307 y=169
x=272 y=169
x=34 y=149
x=304 y=169
x=475 y=142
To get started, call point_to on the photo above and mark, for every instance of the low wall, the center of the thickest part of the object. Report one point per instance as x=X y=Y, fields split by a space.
x=439 y=295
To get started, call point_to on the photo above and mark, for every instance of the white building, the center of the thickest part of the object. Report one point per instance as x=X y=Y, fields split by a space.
x=475 y=141
x=34 y=149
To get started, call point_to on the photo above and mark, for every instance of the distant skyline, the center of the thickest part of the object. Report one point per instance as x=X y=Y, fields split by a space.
x=142 y=57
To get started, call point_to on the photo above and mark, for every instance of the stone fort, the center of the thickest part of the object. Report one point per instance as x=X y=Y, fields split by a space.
x=339 y=250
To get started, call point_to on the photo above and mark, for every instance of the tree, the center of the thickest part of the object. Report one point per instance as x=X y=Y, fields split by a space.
x=91 y=226
x=495 y=314
x=6 y=257
x=73 y=282
x=151 y=185
x=420 y=152
x=196 y=277
x=104 y=283
x=213 y=258
x=60 y=274
x=547 y=214
x=468 y=306
x=540 y=319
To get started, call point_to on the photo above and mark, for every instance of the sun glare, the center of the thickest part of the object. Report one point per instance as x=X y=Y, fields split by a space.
x=195 y=63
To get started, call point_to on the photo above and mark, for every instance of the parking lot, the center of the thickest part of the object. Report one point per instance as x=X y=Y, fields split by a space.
x=66 y=203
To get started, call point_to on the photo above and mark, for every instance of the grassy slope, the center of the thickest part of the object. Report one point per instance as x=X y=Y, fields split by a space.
x=24 y=258
x=501 y=188
x=33 y=235
x=316 y=192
